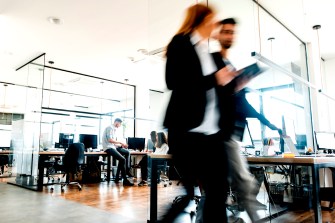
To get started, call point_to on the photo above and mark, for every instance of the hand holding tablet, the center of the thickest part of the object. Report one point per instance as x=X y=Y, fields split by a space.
x=251 y=71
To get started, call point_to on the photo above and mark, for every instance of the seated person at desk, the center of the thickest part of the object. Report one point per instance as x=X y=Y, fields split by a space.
x=151 y=142
x=161 y=148
x=117 y=150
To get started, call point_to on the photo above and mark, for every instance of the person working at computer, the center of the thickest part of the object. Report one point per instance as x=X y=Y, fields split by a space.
x=117 y=150
x=161 y=148
x=151 y=142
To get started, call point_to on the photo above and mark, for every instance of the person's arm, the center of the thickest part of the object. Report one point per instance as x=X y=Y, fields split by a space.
x=117 y=143
x=114 y=141
x=252 y=113
x=183 y=68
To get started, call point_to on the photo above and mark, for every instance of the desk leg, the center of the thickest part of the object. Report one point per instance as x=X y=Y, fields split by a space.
x=109 y=168
x=331 y=203
x=41 y=161
x=153 y=190
x=316 y=198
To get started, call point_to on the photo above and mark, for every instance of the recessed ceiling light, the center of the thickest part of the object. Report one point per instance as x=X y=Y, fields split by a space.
x=55 y=20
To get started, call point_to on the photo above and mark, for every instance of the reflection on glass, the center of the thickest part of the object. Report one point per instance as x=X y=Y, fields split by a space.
x=84 y=105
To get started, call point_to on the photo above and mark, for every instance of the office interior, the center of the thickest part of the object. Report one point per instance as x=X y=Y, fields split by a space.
x=50 y=94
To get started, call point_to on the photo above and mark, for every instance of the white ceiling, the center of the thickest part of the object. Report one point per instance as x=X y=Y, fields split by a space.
x=103 y=38
x=301 y=15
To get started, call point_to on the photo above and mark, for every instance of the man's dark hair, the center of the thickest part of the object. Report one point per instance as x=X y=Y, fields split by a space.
x=228 y=21
x=118 y=120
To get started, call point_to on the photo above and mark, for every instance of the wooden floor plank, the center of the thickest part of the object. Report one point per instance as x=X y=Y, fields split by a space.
x=132 y=202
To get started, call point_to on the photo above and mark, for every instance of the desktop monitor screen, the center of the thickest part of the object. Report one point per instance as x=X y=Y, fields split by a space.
x=65 y=139
x=325 y=140
x=136 y=143
x=301 y=141
x=90 y=141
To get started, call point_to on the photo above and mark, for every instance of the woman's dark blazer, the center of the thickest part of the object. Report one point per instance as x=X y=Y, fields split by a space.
x=184 y=77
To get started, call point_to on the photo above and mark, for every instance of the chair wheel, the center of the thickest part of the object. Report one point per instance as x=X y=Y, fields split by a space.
x=62 y=190
x=79 y=189
x=165 y=185
x=170 y=183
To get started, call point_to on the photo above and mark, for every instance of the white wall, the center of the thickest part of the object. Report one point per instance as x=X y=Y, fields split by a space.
x=150 y=110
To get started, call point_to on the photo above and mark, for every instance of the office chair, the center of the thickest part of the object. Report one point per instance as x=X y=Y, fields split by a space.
x=51 y=170
x=4 y=164
x=72 y=162
x=163 y=173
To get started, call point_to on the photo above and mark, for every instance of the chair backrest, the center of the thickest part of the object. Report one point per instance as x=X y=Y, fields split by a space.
x=74 y=156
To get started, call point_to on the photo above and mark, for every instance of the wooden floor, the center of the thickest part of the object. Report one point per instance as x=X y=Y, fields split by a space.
x=132 y=202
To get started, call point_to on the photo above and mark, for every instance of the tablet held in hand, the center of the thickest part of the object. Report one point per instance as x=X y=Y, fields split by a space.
x=251 y=71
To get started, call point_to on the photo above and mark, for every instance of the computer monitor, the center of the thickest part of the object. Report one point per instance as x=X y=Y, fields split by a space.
x=252 y=134
x=136 y=143
x=89 y=140
x=65 y=139
x=301 y=140
x=325 y=140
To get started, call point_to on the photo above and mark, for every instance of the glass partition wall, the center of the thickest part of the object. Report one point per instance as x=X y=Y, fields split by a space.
x=80 y=104
x=57 y=107
x=25 y=132
x=283 y=99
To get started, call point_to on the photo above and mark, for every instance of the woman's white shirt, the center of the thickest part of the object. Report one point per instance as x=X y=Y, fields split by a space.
x=162 y=150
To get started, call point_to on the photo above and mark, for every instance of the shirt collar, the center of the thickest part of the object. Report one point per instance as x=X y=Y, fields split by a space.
x=196 y=37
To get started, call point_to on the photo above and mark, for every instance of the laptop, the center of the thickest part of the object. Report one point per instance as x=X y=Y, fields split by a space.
x=289 y=146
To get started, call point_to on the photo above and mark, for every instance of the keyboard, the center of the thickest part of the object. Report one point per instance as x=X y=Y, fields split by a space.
x=317 y=155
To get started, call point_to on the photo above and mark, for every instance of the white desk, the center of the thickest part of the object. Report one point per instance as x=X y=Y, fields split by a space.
x=316 y=163
x=44 y=155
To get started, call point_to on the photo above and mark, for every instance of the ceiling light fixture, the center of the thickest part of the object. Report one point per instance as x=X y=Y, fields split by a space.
x=4 y=100
x=317 y=27
x=126 y=81
x=271 y=39
x=55 y=20
x=50 y=80
x=273 y=65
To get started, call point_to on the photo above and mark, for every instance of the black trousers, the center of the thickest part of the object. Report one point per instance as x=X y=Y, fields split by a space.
x=200 y=159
